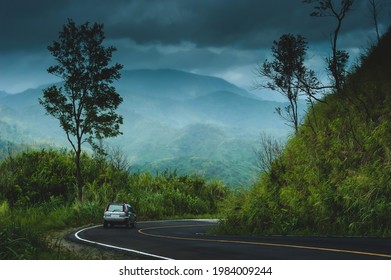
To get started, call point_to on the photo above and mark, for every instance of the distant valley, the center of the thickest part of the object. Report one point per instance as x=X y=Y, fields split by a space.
x=173 y=120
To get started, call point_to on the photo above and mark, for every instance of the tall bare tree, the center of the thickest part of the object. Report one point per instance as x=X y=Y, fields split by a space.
x=269 y=150
x=337 y=62
x=375 y=7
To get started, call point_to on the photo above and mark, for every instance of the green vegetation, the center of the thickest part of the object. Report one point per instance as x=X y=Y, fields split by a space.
x=333 y=177
x=38 y=197
x=27 y=232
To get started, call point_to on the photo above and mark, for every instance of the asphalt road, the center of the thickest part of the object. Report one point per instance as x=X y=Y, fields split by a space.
x=191 y=240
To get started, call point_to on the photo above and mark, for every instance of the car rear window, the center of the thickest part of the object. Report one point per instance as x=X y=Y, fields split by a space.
x=115 y=207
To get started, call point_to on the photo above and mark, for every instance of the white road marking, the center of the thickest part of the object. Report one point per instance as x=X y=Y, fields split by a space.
x=116 y=247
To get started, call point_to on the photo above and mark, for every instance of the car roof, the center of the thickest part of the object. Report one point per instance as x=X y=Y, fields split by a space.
x=118 y=203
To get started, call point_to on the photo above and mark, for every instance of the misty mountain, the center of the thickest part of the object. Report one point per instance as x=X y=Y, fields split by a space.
x=173 y=84
x=172 y=120
x=179 y=99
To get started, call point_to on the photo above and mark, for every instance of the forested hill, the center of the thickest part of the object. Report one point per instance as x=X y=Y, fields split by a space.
x=334 y=177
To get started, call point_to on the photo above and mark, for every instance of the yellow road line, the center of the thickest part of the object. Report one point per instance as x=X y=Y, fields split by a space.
x=142 y=231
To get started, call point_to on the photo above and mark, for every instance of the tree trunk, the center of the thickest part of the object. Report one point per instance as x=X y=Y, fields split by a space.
x=334 y=66
x=79 y=182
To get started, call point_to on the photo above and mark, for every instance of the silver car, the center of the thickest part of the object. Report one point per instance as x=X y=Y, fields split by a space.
x=119 y=213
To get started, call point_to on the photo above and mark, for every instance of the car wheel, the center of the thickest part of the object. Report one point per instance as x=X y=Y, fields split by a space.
x=105 y=224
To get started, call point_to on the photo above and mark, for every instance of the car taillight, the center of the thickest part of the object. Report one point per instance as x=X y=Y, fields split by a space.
x=124 y=208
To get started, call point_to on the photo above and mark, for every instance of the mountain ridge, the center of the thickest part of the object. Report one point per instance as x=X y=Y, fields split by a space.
x=157 y=82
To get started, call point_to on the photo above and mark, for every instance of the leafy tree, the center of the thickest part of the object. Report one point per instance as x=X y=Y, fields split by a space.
x=337 y=62
x=288 y=75
x=86 y=103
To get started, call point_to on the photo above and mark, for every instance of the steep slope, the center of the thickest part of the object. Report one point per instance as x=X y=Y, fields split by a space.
x=334 y=176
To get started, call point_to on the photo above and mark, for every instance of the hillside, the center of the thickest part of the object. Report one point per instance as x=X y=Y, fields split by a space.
x=169 y=117
x=334 y=176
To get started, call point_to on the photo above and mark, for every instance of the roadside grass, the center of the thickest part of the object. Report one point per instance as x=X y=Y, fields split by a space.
x=32 y=232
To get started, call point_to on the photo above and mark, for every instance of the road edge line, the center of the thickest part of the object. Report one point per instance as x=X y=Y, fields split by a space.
x=116 y=247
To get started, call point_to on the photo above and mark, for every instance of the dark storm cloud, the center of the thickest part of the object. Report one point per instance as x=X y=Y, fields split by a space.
x=27 y=25
x=205 y=23
x=241 y=24
x=217 y=37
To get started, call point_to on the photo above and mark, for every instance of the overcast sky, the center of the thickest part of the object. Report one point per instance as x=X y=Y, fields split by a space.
x=223 y=38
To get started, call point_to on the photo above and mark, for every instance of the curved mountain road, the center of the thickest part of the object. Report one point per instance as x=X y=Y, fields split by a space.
x=191 y=240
